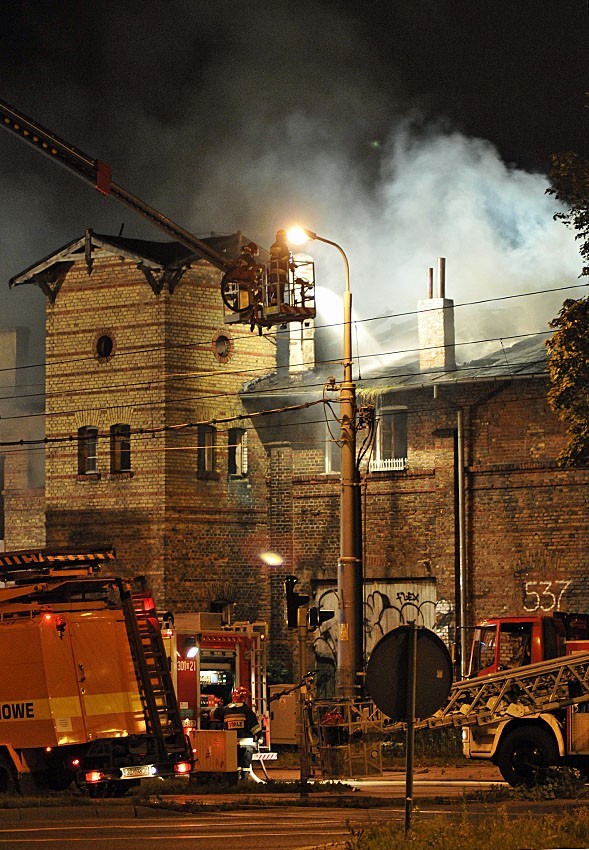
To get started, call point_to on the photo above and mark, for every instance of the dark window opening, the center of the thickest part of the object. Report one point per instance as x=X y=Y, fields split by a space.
x=104 y=346
x=87 y=450
x=237 y=452
x=120 y=448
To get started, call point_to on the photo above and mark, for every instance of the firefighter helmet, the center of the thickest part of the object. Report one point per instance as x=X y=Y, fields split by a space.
x=240 y=694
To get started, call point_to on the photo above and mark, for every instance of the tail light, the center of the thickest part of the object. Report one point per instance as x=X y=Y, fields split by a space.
x=182 y=767
x=94 y=776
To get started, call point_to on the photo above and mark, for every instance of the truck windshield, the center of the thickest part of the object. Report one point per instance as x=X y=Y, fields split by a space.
x=514 y=649
x=483 y=649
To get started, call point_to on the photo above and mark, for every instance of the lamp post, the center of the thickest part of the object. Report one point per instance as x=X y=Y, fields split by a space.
x=349 y=573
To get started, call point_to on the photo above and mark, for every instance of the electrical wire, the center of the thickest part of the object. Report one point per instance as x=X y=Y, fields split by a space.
x=242 y=372
x=249 y=335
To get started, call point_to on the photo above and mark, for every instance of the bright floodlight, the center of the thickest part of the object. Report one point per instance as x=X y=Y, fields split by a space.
x=297 y=235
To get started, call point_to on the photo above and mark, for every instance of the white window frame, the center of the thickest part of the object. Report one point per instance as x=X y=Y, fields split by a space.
x=388 y=457
x=207 y=444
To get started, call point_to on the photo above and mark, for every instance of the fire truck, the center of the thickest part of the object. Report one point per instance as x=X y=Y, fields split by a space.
x=525 y=704
x=208 y=660
x=86 y=693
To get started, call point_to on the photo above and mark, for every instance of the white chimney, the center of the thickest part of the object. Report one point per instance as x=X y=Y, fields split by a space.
x=301 y=349
x=435 y=325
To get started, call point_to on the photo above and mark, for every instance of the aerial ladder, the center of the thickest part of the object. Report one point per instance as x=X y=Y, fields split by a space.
x=532 y=689
x=254 y=293
x=523 y=719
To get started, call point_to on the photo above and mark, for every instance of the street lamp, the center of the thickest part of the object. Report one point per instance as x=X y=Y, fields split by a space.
x=349 y=573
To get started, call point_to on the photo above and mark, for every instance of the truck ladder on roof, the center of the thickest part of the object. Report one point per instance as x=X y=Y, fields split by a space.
x=160 y=707
x=534 y=688
x=44 y=561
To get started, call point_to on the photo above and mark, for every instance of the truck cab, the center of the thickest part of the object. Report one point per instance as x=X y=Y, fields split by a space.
x=503 y=643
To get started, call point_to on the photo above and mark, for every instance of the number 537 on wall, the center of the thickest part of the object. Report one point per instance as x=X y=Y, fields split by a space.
x=544 y=595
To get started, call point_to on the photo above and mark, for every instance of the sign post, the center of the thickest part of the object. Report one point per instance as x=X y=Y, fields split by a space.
x=409 y=676
x=410 y=732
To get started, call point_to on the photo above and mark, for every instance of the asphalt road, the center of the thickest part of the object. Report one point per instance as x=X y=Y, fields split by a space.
x=282 y=829
x=119 y=825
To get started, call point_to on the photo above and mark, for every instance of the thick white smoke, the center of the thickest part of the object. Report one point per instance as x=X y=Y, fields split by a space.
x=232 y=118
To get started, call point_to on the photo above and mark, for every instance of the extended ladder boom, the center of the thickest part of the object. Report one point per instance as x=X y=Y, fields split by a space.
x=99 y=175
x=534 y=688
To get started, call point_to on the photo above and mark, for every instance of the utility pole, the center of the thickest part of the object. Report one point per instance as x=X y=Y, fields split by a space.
x=349 y=571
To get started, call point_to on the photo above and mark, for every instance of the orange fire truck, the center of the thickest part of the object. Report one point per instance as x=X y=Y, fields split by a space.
x=86 y=693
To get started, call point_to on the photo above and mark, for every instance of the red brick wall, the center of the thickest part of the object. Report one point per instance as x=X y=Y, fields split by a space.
x=527 y=521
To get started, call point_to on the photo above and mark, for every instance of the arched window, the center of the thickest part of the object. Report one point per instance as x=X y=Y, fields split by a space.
x=87 y=450
x=120 y=448
x=237 y=452
x=205 y=462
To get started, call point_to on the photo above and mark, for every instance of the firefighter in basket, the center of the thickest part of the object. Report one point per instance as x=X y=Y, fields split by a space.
x=278 y=272
x=238 y=716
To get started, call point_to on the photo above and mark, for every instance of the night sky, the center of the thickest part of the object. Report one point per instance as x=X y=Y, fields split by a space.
x=404 y=130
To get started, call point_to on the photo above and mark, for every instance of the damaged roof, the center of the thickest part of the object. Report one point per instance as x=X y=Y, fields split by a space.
x=526 y=358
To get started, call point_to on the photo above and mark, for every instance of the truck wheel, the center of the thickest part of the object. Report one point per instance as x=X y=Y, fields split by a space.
x=8 y=778
x=525 y=754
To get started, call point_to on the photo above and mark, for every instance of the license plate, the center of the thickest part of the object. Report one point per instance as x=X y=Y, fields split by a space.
x=136 y=772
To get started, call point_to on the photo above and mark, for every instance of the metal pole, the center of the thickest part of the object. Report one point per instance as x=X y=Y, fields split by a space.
x=462 y=545
x=349 y=571
x=410 y=736
x=350 y=638
x=303 y=751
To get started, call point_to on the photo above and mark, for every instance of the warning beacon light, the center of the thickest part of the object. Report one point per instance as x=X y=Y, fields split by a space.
x=274 y=293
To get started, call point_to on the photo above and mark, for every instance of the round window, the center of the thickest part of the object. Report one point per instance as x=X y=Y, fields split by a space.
x=222 y=347
x=104 y=346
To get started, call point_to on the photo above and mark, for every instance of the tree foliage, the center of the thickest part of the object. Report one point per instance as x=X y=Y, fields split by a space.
x=568 y=348
x=568 y=367
x=569 y=177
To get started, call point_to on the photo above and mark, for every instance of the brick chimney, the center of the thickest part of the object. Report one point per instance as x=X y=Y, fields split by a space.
x=435 y=325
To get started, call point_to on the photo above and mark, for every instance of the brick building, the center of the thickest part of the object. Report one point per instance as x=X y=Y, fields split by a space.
x=22 y=502
x=145 y=447
x=510 y=536
x=148 y=450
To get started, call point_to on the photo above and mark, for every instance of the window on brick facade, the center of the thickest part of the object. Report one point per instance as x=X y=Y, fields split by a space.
x=237 y=452
x=391 y=440
x=120 y=448
x=206 y=442
x=87 y=450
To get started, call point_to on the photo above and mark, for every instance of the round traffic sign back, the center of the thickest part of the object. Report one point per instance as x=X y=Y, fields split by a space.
x=388 y=674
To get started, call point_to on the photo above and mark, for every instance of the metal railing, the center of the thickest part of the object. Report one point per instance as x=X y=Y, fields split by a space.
x=389 y=464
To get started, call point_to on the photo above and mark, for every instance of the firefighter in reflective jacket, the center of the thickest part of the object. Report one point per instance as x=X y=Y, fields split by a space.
x=238 y=716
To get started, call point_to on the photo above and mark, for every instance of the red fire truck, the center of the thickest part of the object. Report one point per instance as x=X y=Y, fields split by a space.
x=525 y=705
x=208 y=660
